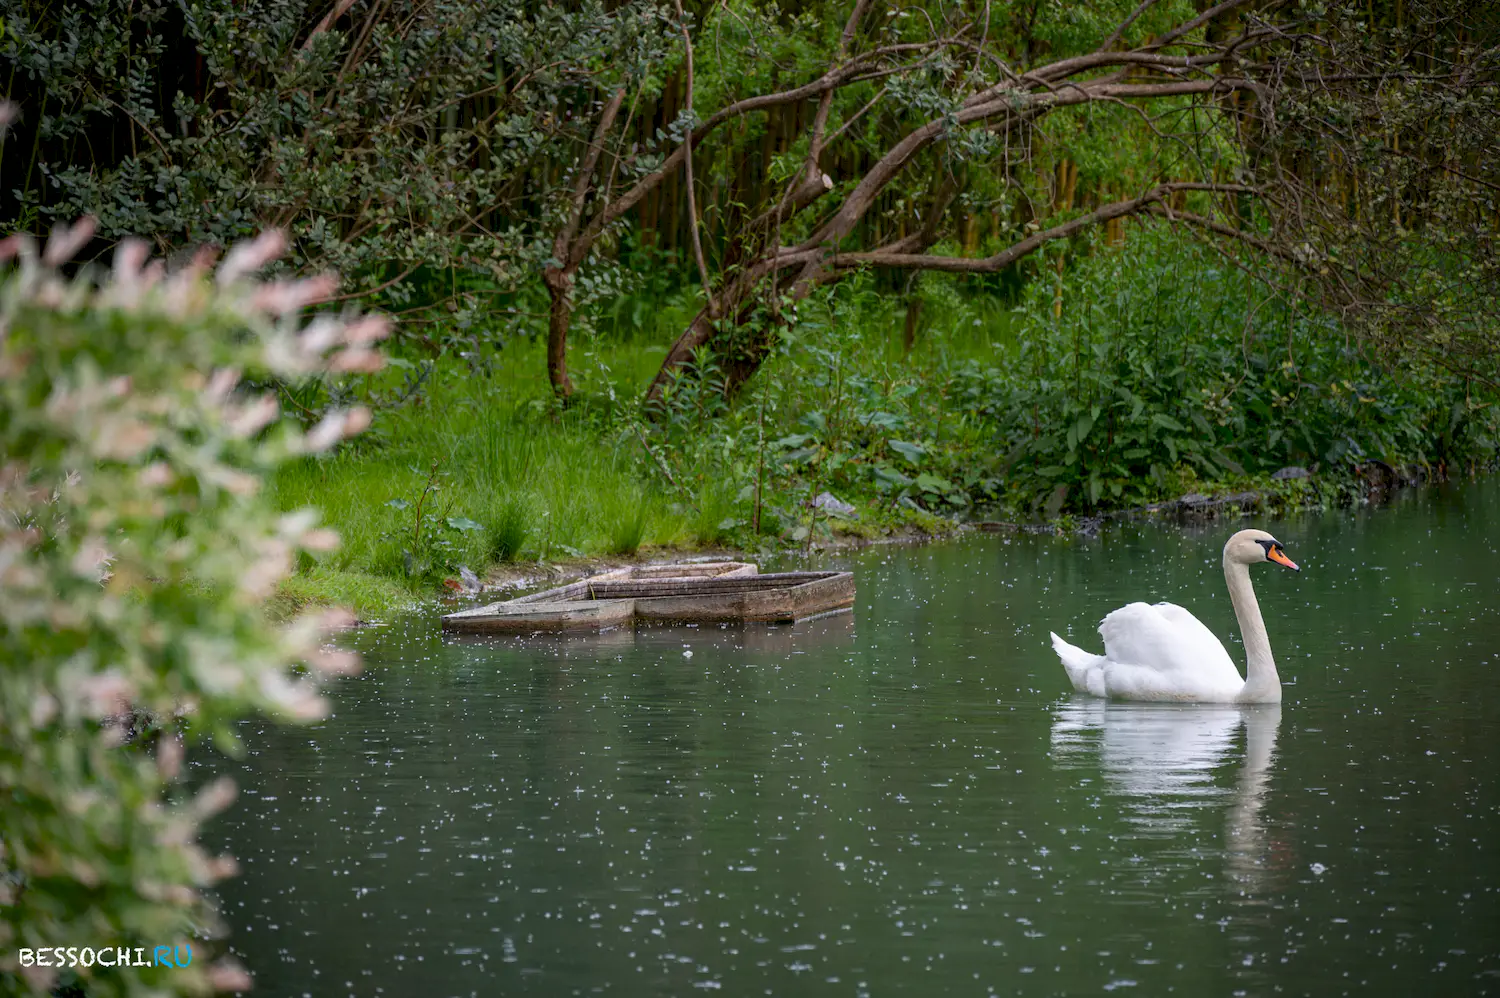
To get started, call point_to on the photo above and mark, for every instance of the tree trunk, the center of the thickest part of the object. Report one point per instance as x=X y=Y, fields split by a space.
x=559 y=320
x=913 y=315
x=698 y=332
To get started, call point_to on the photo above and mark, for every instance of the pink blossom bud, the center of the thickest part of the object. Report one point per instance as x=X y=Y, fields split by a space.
x=67 y=240
x=247 y=258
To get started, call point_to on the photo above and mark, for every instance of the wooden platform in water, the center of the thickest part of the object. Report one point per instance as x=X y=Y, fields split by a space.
x=706 y=592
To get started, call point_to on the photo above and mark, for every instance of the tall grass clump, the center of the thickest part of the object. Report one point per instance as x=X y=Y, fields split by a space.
x=510 y=528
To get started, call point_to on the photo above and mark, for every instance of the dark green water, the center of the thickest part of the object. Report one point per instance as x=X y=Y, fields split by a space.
x=908 y=799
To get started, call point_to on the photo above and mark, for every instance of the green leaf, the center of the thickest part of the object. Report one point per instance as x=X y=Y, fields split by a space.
x=934 y=484
x=912 y=452
x=464 y=523
x=799 y=455
x=1082 y=427
x=883 y=420
x=886 y=475
x=398 y=504
x=1228 y=463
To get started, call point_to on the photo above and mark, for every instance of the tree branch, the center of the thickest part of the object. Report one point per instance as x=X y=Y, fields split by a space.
x=1008 y=256
x=1195 y=23
x=339 y=10
x=1171 y=214
x=852 y=71
x=1008 y=103
x=561 y=245
x=687 y=163
x=820 y=120
x=1119 y=31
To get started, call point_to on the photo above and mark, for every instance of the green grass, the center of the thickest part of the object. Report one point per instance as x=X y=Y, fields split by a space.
x=368 y=596
x=540 y=484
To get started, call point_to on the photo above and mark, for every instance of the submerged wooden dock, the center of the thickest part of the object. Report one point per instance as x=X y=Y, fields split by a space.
x=703 y=592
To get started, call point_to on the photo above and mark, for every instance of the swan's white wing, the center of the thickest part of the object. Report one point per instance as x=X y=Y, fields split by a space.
x=1159 y=652
x=1163 y=652
x=1205 y=642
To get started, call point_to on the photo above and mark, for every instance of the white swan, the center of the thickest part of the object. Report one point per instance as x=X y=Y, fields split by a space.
x=1162 y=652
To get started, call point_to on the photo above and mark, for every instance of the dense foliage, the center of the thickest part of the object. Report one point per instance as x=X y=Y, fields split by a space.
x=136 y=553
x=504 y=159
x=1172 y=366
x=1151 y=370
x=204 y=123
x=1383 y=174
x=505 y=172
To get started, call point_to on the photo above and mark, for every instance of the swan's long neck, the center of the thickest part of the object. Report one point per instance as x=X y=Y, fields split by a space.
x=1262 y=684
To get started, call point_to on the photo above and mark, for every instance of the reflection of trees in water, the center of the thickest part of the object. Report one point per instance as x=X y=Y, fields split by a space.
x=1159 y=763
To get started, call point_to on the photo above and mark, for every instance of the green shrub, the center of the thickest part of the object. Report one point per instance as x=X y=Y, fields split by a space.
x=136 y=554
x=412 y=147
x=1168 y=364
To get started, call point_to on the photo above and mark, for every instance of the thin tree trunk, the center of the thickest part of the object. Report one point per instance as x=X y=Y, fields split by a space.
x=913 y=315
x=559 y=320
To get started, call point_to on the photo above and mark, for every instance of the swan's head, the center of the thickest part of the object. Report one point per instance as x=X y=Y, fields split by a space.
x=1251 y=547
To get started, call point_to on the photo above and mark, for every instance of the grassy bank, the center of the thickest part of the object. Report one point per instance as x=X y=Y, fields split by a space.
x=484 y=470
x=1146 y=373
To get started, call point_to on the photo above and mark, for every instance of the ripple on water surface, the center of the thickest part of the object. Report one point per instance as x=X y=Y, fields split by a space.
x=906 y=799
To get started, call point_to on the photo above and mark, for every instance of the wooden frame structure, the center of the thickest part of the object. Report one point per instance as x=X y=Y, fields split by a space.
x=704 y=592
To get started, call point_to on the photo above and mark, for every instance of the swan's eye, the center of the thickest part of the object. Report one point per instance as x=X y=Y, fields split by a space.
x=1275 y=554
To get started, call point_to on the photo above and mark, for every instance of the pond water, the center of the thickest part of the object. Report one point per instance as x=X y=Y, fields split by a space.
x=908 y=798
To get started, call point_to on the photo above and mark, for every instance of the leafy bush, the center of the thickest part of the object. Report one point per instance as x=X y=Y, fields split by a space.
x=1169 y=365
x=136 y=553
x=413 y=148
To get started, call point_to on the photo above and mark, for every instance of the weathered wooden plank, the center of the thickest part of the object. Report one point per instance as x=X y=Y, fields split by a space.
x=509 y=618
x=821 y=595
x=571 y=591
x=696 y=571
x=770 y=605
x=641 y=588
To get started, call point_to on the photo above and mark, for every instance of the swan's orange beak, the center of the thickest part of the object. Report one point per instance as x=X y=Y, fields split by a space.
x=1274 y=553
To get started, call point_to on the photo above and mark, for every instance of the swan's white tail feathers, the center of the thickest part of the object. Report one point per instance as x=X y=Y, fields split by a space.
x=1077 y=661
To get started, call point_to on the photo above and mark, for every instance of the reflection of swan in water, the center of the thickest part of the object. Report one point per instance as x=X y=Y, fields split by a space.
x=1245 y=834
x=1158 y=763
